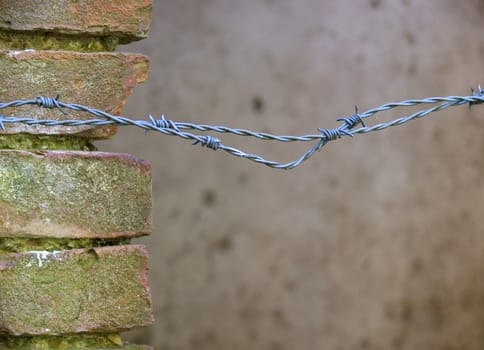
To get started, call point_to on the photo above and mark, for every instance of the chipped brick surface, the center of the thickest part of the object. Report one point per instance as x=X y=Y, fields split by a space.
x=129 y=20
x=74 y=194
x=73 y=291
x=100 y=80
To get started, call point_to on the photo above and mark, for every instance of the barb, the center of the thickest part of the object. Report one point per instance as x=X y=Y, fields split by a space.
x=169 y=127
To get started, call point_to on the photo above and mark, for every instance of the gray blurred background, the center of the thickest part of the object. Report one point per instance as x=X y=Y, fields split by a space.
x=377 y=241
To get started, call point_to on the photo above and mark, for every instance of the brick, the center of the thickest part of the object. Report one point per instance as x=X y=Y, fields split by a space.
x=100 y=80
x=74 y=291
x=84 y=341
x=74 y=194
x=129 y=19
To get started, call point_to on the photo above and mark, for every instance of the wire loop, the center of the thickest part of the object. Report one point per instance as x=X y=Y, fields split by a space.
x=49 y=102
x=163 y=123
x=330 y=134
x=353 y=120
x=208 y=141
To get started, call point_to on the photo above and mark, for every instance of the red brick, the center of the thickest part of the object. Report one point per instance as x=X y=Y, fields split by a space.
x=100 y=80
x=74 y=194
x=128 y=19
x=73 y=291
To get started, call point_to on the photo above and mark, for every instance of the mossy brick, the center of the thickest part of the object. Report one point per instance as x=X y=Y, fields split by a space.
x=13 y=40
x=97 y=290
x=84 y=341
x=23 y=244
x=126 y=20
x=100 y=80
x=45 y=142
x=74 y=194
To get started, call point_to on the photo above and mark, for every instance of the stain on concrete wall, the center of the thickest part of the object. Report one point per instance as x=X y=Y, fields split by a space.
x=375 y=243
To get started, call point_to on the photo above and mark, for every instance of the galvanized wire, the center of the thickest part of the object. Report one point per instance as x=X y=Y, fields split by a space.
x=349 y=126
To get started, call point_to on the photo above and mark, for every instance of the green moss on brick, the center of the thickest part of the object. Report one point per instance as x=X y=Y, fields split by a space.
x=73 y=195
x=45 y=142
x=99 y=79
x=18 y=245
x=86 y=290
x=126 y=20
x=111 y=341
x=16 y=40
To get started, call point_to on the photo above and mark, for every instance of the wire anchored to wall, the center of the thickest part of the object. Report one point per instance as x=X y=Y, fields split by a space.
x=350 y=126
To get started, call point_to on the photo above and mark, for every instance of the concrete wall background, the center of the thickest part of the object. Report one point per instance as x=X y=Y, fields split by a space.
x=375 y=243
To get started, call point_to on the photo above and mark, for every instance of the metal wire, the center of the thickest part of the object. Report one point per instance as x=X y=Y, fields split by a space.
x=169 y=127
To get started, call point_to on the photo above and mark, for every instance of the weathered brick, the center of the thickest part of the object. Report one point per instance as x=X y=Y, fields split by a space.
x=83 y=341
x=100 y=80
x=74 y=194
x=74 y=291
x=129 y=20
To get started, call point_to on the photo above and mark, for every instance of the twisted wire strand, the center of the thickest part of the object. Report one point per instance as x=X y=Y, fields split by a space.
x=348 y=127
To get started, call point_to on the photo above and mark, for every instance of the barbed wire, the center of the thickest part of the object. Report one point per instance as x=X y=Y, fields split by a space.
x=169 y=127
